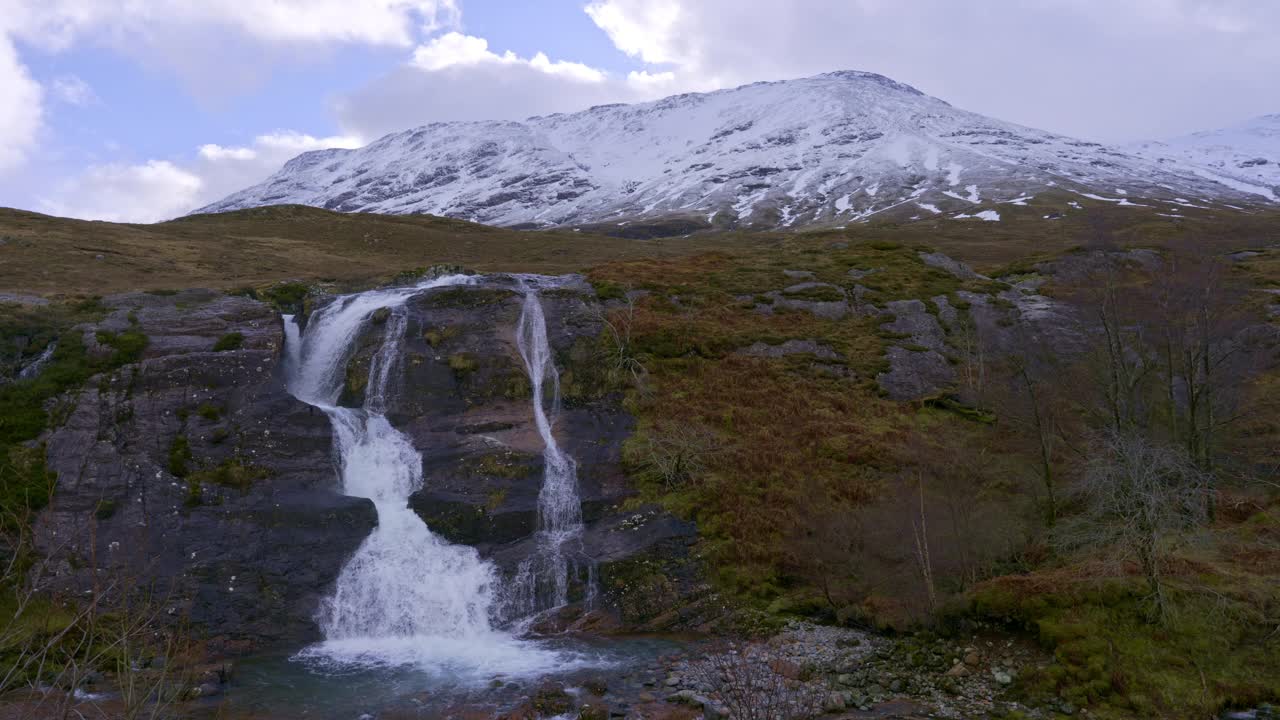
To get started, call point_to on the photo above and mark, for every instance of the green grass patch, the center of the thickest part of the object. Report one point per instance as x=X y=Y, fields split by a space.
x=287 y=297
x=230 y=341
x=128 y=346
x=233 y=473
x=463 y=364
x=1206 y=657
x=179 y=456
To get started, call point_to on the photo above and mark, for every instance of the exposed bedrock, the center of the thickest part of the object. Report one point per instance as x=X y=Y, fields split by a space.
x=195 y=474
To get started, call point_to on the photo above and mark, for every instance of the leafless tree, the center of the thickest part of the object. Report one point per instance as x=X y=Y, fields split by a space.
x=967 y=339
x=828 y=549
x=924 y=562
x=1029 y=400
x=673 y=454
x=1140 y=499
x=1200 y=324
x=755 y=683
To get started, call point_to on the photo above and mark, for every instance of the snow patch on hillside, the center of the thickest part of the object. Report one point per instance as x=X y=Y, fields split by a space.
x=837 y=147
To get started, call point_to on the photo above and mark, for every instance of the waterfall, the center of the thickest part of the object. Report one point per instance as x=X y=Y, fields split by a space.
x=38 y=364
x=542 y=580
x=406 y=596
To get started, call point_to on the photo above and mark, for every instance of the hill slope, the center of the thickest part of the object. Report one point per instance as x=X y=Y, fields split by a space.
x=1245 y=156
x=830 y=149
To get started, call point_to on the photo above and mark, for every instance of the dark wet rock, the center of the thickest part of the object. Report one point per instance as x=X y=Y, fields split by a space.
x=1024 y=324
x=196 y=471
x=918 y=366
x=821 y=299
x=915 y=373
x=192 y=321
x=196 y=475
x=799 y=274
x=1082 y=266
x=21 y=299
x=950 y=265
x=462 y=395
x=947 y=314
x=913 y=319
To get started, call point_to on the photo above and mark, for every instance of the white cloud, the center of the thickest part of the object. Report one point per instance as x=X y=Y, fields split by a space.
x=647 y=30
x=218 y=153
x=291 y=142
x=161 y=189
x=72 y=90
x=454 y=49
x=457 y=77
x=220 y=48
x=652 y=83
x=21 y=109
x=56 y=23
x=156 y=190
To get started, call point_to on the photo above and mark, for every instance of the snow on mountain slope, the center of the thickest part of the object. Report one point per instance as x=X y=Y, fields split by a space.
x=1246 y=157
x=829 y=149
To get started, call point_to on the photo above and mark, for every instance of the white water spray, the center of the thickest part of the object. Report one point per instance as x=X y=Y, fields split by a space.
x=407 y=596
x=543 y=579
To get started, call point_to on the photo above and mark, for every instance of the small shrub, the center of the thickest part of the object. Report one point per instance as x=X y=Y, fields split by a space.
x=286 y=297
x=436 y=336
x=105 y=509
x=179 y=456
x=195 y=494
x=209 y=412
x=462 y=364
x=232 y=473
x=128 y=346
x=606 y=290
x=230 y=341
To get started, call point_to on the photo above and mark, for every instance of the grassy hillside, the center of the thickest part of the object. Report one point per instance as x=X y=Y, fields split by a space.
x=51 y=256
x=45 y=255
x=809 y=486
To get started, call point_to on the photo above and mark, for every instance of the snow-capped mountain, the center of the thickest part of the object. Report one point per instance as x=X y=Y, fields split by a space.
x=829 y=149
x=1246 y=157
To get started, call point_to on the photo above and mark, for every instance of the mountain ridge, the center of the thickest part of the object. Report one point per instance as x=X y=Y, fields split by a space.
x=1245 y=155
x=830 y=149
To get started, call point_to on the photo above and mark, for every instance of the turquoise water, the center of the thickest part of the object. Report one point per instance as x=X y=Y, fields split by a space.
x=294 y=686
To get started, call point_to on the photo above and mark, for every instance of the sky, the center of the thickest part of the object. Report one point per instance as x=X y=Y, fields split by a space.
x=143 y=110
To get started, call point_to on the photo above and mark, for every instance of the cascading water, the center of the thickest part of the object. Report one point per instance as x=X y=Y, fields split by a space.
x=543 y=579
x=406 y=596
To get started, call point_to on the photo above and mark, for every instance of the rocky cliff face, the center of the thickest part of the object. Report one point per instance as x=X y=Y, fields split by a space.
x=465 y=401
x=196 y=475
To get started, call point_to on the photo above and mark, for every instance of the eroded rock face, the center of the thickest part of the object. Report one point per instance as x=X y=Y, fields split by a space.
x=194 y=475
x=1015 y=319
x=463 y=397
x=917 y=365
x=194 y=472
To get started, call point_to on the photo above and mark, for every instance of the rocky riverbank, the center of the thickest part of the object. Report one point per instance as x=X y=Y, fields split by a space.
x=807 y=670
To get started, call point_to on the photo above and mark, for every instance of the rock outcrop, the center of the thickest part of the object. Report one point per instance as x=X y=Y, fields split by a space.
x=194 y=472
x=193 y=475
x=465 y=401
